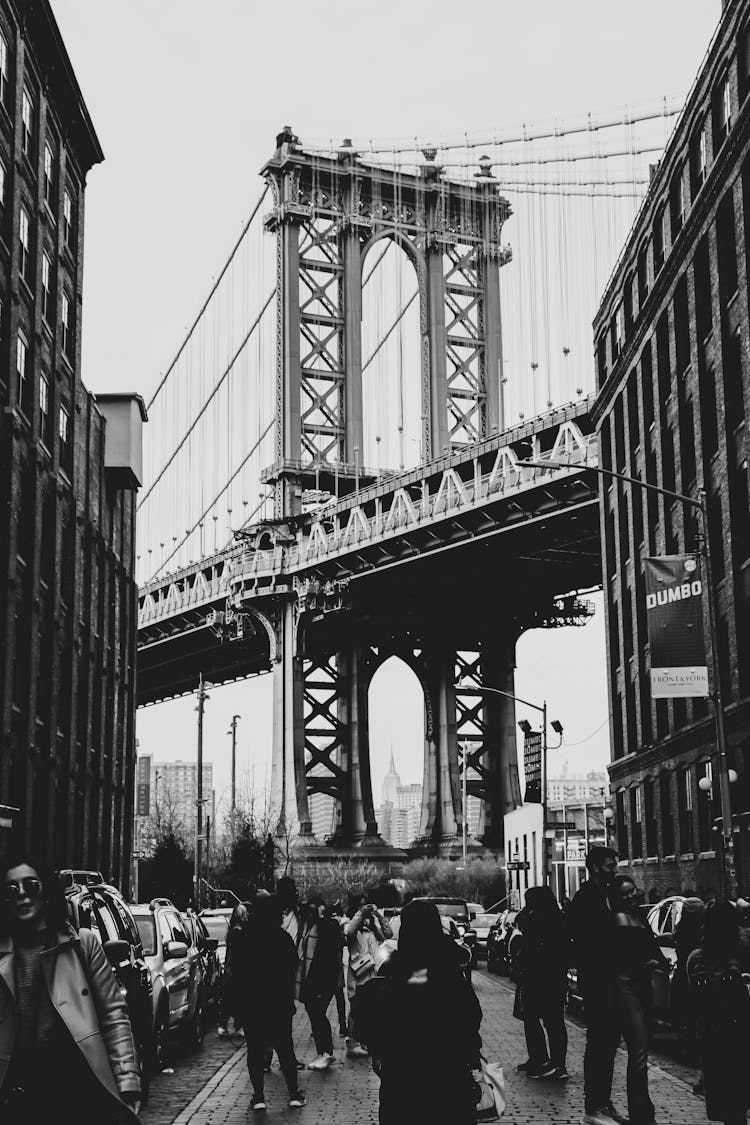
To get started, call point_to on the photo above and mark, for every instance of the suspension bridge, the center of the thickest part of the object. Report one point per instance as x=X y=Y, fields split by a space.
x=335 y=468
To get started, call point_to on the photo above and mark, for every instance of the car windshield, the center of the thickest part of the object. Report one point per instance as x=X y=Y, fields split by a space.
x=452 y=909
x=216 y=925
x=147 y=931
x=485 y=920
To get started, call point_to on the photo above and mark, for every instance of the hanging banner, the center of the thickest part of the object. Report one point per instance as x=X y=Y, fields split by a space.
x=143 y=786
x=674 y=612
x=532 y=766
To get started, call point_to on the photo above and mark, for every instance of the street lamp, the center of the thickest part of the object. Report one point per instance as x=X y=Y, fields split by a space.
x=699 y=504
x=526 y=728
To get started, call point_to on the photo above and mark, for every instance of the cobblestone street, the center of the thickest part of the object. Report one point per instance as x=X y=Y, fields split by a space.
x=212 y=1086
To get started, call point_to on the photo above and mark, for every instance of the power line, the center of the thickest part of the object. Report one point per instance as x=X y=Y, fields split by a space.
x=391 y=330
x=205 y=304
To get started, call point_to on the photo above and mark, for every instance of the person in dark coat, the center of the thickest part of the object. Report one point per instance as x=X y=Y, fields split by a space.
x=722 y=1005
x=264 y=968
x=636 y=954
x=591 y=926
x=66 y=1045
x=687 y=938
x=420 y=1021
x=542 y=954
x=320 y=951
x=237 y=922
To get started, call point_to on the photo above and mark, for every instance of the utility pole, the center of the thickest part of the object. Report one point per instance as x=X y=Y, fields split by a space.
x=233 y=732
x=464 y=802
x=202 y=697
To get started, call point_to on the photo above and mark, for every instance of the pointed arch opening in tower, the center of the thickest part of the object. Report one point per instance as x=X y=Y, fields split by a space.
x=392 y=401
x=397 y=740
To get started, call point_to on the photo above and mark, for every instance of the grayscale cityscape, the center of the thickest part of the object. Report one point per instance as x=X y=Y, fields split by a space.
x=374 y=562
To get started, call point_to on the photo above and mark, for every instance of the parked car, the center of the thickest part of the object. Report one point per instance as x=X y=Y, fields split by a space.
x=481 y=926
x=103 y=910
x=498 y=959
x=475 y=909
x=208 y=950
x=179 y=1000
x=216 y=922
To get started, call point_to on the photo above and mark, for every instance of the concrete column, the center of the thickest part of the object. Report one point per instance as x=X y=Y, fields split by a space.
x=503 y=792
x=449 y=788
x=289 y=421
x=289 y=801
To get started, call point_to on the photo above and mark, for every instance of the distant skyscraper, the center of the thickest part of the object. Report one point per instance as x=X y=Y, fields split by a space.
x=391 y=783
x=173 y=795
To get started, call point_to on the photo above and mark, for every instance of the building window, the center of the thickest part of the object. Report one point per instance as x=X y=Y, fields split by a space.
x=636 y=822
x=67 y=333
x=667 y=821
x=43 y=406
x=621 y=825
x=677 y=202
x=743 y=60
x=722 y=113
x=22 y=356
x=24 y=241
x=27 y=125
x=68 y=220
x=63 y=426
x=642 y=275
x=46 y=286
x=658 y=235
x=650 y=810
x=698 y=161
x=726 y=245
x=618 y=331
x=49 y=176
x=3 y=178
x=685 y=810
x=3 y=69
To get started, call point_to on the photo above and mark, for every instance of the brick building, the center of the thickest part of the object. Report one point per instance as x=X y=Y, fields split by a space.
x=69 y=469
x=671 y=345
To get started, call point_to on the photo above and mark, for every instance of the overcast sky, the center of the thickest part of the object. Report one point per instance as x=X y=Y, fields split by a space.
x=187 y=98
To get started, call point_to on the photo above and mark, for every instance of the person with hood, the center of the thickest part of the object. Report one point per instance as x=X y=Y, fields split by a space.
x=264 y=976
x=365 y=934
x=318 y=972
x=722 y=1006
x=542 y=955
x=66 y=1045
x=420 y=1021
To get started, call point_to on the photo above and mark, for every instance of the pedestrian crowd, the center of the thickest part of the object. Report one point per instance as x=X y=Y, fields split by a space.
x=67 y=1049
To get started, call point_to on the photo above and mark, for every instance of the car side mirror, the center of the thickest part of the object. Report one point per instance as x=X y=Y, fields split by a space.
x=116 y=951
x=175 y=949
x=211 y=943
x=472 y=915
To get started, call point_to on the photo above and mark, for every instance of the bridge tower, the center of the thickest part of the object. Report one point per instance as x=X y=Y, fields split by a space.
x=328 y=212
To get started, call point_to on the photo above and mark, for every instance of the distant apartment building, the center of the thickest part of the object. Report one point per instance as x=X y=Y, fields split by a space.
x=171 y=803
x=400 y=811
x=590 y=787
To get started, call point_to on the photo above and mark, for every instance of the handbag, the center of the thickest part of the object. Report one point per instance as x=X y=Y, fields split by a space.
x=491 y=1104
x=361 y=964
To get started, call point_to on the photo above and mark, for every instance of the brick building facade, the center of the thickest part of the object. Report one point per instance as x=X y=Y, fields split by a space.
x=69 y=468
x=673 y=363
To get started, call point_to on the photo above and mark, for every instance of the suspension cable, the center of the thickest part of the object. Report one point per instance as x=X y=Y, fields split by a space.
x=205 y=304
x=215 y=500
x=208 y=401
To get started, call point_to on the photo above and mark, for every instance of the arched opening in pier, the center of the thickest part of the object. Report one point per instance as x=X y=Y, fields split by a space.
x=397 y=736
x=391 y=359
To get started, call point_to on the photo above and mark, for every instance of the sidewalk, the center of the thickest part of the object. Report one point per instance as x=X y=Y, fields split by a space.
x=347 y=1094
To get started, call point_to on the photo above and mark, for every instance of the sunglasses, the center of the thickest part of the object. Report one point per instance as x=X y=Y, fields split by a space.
x=29 y=886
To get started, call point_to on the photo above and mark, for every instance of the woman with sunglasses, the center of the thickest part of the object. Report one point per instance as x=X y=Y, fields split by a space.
x=66 y=1047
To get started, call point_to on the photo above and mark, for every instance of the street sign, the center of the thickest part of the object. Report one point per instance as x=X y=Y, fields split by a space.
x=563 y=825
x=518 y=865
x=575 y=855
